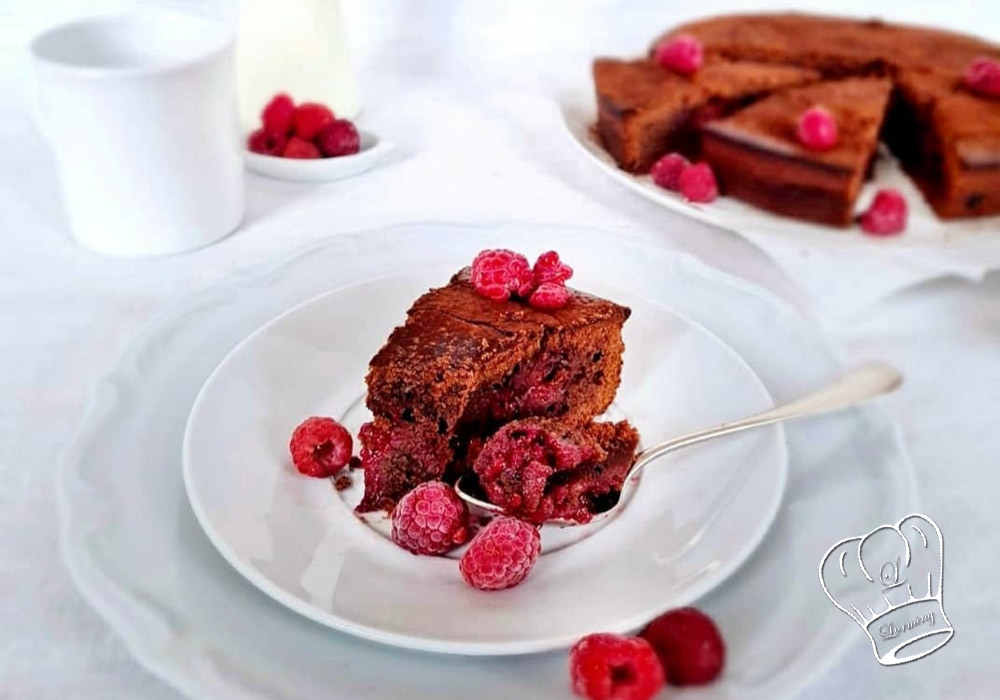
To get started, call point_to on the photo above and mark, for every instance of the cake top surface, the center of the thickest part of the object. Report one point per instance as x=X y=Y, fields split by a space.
x=857 y=105
x=828 y=41
x=452 y=329
x=642 y=83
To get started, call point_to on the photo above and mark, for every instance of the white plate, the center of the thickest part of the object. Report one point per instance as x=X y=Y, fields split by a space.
x=961 y=245
x=694 y=518
x=372 y=150
x=138 y=555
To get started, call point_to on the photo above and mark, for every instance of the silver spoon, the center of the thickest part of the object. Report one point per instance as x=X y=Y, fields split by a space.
x=858 y=385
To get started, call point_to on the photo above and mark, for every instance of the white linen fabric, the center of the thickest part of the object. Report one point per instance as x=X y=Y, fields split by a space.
x=457 y=86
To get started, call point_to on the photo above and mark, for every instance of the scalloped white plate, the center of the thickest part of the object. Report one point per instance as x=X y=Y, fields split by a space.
x=962 y=246
x=134 y=548
x=693 y=519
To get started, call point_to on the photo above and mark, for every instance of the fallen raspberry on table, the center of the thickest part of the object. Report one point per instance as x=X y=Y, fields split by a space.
x=310 y=118
x=611 y=667
x=682 y=54
x=817 y=129
x=338 y=138
x=689 y=646
x=666 y=172
x=278 y=116
x=549 y=268
x=300 y=148
x=497 y=274
x=697 y=183
x=431 y=519
x=320 y=447
x=983 y=76
x=266 y=143
x=887 y=214
x=549 y=296
x=501 y=555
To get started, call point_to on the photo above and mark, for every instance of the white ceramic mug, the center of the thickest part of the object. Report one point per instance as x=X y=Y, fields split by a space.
x=140 y=112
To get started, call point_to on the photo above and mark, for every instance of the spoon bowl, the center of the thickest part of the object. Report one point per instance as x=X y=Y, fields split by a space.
x=856 y=386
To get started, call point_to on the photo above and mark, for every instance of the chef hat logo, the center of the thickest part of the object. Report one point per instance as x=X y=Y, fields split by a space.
x=890 y=582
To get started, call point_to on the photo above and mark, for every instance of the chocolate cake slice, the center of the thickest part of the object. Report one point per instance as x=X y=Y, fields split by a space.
x=645 y=111
x=463 y=365
x=539 y=469
x=757 y=156
x=948 y=140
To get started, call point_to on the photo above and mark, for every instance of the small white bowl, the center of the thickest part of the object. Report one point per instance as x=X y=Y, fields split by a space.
x=320 y=169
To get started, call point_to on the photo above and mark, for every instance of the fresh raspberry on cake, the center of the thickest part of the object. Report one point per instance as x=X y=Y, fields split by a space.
x=697 y=183
x=310 y=118
x=983 y=76
x=498 y=274
x=431 y=519
x=320 y=447
x=817 y=129
x=278 y=116
x=611 y=667
x=689 y=645
x=501 y=555
x=301 y=149
x=682 y=54
x=887 y=214
x=338 y=138
x=266 y=143
x=549 y=296
x=549 y=268
x=666 y=172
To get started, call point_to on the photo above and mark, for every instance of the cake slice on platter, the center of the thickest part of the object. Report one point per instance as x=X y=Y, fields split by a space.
x=462 y=365
x=757 y=156
x=948 y=140
x=645 y=111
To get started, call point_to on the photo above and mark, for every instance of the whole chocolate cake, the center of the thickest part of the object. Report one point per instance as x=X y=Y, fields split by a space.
x=946 y=134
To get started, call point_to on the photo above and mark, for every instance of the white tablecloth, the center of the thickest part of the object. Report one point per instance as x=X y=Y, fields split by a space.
x=456 y=88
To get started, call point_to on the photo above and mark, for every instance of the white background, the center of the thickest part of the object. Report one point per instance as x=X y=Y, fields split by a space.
x=461 y=88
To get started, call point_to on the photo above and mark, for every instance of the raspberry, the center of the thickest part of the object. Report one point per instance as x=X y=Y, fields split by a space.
x=697 y=183
x=817 y=129
x=338 y=138
x=549 y=268
x=320 y=447
x=309 y=118
x=430 y=519
x=501 y=555
x=682 y=54
x=667 y=170
x=983 y=76
x=496 y=274
x=689 y=646
x=300 y=148
x=887 y=214
x=549 y=297
x=610 y=667
x=268 y=144
x=278 y=115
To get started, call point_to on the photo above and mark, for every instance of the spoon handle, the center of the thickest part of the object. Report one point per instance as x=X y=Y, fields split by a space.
x=860 y=384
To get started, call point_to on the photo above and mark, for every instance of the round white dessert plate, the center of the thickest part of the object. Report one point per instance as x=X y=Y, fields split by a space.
x=372 y=150
x=136 y=551
x=961 y=246
x=693 y=519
